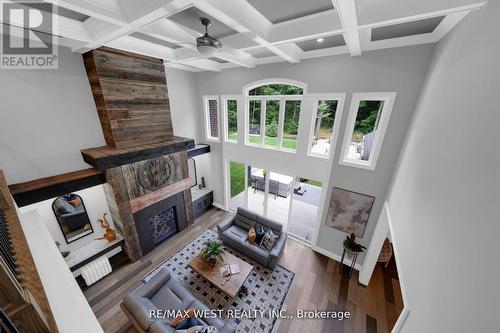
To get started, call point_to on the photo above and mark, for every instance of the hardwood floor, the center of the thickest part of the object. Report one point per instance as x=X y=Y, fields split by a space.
x=317 y=285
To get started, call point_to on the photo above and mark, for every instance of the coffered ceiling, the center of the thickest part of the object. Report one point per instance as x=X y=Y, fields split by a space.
x=254 y=32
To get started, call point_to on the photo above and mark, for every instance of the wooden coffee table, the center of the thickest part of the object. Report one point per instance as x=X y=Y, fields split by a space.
x=214 y=274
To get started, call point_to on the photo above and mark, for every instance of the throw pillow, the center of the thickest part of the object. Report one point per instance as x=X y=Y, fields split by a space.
x=75 y=202
x=251 y=235
x=269 y=240
x=177 y=320
x=260 y=232
x=188 y=323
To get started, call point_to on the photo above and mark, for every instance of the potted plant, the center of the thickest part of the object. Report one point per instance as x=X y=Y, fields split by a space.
x=213 y=252
x=351 y=246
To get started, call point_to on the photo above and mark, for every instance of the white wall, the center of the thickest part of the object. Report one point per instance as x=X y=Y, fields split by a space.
x=402 y=70
x=96 y=205
x=46 y=117
x=446 y=192
x=72 y=313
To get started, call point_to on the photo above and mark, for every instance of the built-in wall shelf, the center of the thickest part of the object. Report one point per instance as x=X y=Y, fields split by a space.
x=106 y=157
x=198 y=149
x=41 y=189
x=89 y=252
x=202 y=200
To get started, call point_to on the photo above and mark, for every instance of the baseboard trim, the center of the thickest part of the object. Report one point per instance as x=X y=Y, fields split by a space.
x=334 y=256
x=218 y=205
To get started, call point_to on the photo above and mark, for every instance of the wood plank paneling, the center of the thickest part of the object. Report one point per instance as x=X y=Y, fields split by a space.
x=124 y=84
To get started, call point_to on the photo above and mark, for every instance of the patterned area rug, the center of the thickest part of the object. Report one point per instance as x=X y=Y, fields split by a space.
x=267 y=289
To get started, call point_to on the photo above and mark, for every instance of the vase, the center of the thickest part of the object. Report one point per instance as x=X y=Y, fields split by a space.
x=213 y=262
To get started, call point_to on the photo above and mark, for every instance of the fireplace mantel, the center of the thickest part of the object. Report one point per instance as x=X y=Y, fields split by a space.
x=103 y=158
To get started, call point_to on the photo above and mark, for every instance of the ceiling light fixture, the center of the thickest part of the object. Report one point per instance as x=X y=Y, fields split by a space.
x=207 y=45
x=320 y=40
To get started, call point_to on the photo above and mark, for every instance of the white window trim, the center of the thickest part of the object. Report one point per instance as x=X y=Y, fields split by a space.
x=206 y=117
x=225 y=125
x=340 y=98
x=281 y=119
x=388 y=98
x=266 y=82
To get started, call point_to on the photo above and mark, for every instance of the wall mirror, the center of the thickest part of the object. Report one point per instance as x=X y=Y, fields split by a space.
x=72 y=217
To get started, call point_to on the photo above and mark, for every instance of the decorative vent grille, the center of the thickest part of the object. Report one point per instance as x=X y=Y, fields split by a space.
x=164 y=225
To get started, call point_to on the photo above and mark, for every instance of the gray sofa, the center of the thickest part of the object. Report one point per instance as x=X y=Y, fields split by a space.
x=233 y=231
x=163 y=292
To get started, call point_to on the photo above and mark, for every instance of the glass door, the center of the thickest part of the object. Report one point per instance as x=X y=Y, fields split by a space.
x=304 y=211
x=256 y=190
x=236 y=185
x=279 y=196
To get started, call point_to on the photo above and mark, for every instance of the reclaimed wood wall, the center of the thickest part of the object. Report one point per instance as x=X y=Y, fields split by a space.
x=131 y=96
x=28 y=277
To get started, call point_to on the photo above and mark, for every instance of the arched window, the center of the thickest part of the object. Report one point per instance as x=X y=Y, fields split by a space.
x=274 y=122
x=275 y=87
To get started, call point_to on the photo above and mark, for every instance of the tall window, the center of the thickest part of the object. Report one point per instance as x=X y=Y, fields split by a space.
x=325 y=124
x=230 y=109
x=273 y=115
x=254 y=123
x=211 y=111
x=366 y=126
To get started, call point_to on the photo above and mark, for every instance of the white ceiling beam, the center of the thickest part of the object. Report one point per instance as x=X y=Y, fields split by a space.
x=349 y=19
x=206 y=64
x=239 y=58
x=182 y=67
x=239 y=15
x=373 y=12
x=135 y=45
x=186 y=37
x=244 y=18
x=426 y=15
x=155 y=10
x=308 y=27
x=170 y=31
x=92 y=9
x=65 y=27
x=290 y=52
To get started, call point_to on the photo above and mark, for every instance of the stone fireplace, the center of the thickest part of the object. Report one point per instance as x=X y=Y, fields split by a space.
x=147 y=181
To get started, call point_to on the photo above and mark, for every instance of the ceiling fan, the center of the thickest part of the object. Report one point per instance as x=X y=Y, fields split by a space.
x=207 y=45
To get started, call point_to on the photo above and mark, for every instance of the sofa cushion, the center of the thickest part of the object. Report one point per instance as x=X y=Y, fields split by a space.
x=161 y=326
x=243 y=222
x=172 y=296
x=247 y=213
x=63 y=207
x=256 y=251
x=236 y=234
x=215 y=322
x=276 y=226
x=140 y=307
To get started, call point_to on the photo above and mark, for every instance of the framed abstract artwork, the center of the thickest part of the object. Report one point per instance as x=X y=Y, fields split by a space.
x=349 y=211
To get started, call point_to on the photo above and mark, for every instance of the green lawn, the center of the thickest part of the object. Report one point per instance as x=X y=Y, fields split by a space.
x=314 y=182
x=269 y=141
x=237 y=174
